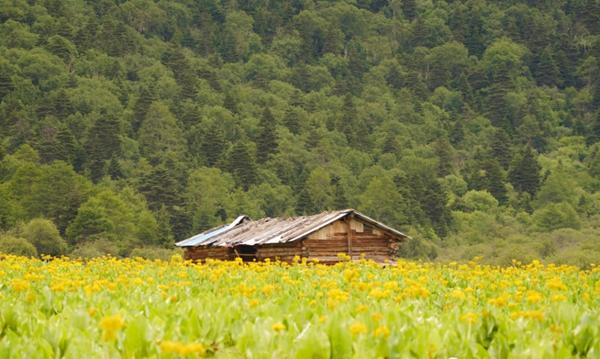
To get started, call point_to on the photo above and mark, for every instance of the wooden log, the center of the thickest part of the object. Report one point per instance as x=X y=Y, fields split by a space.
x=350 y=234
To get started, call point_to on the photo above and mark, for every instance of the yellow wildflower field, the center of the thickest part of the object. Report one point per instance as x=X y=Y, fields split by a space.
x=107 y=308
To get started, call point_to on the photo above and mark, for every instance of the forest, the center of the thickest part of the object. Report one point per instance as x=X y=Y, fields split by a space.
x=472 y=125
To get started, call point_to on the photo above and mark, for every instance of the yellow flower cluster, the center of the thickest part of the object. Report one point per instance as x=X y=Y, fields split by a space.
x=182 y=348
x=110 y=326
x=237 y=309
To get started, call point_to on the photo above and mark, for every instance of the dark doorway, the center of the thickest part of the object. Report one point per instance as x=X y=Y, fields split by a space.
x=247 y=253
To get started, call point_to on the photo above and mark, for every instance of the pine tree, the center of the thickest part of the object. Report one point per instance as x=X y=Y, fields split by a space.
x=524 y=173
x=175 y=59
x=500 y=147
x=432 y=199
x=339 y=196
x=114 y=169
x=596 y=86
x=546 y=70
x=230 y=103
x=6 y=84
x=409 y=9
x=242 y=164
x=292 y=120
x=494 y=179
x=102 y=144
x=457 y=133
x=497 y=106
x=62 y=106
x=161 y=187
x=347 y=123
x=48 y=146
x=213 y=144
x=394 y=78
x=443 y=151
x=594 y=134
x=266 y=144
x=304 y=204
x=165 y=234
x=391 y=145
x=141 y=107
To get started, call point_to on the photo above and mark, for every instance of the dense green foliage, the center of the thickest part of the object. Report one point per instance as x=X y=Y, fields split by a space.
x=474 y=125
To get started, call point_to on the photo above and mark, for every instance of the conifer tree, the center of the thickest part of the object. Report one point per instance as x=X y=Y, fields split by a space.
x=58 y=145
x=114 y=169
x=175 y=59
x=161 y=188
x=347 y=123
x=304 y=204
x=546 y=69
x=432 y=199
x=242 y=164
x=230 y=103
x=163 y=219
x=524 y=173
x=6 y=84
x=409 y=8
x=141 y=107
x=457 y=133
x=292 y=120
x=500 y=147
x=596 y=85
x=443 y=151
x=391 y=145
x=594 y=134
x=339 y=195
x=266 y=145
x=394 y=78
x=495 y=179
x=102 y=144
x=213 y=144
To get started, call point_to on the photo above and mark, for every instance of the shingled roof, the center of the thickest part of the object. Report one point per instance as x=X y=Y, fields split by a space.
x=244 y=231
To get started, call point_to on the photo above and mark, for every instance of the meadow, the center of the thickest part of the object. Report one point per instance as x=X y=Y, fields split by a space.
x=108 y=307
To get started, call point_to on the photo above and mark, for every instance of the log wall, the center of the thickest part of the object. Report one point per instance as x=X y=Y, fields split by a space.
x=284 y=252
x=203 y=252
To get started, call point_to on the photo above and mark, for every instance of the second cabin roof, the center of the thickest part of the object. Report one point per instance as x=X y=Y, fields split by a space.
x=244 y=231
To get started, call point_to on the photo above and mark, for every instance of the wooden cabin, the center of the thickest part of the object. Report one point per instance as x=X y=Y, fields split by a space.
x=322 y=236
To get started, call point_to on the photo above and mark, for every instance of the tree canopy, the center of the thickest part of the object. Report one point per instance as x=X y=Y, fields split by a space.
x=124 y=122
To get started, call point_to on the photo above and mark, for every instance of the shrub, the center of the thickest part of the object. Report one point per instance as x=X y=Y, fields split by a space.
x=480 y=201
x=96 y=248
x=44 y=235
x=17 y=246
x=555 y=216
x=154 y=252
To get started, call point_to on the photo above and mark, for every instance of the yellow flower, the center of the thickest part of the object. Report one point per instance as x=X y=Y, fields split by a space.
x=532 y=314
x=19 y=285
x=377 y=316
x=556 y=283
x=457 y=294
x=361 y=308
x=558 y=298
x=278 y=327
x=358 y=328
x=268 y=289
x=500 y=301
x=533 y=296
x=469 y=317
x=377 y=293
x=180 y=348
x=111 y=326
x=382 y=331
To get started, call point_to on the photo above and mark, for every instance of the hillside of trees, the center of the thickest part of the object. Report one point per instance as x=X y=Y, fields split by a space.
x=473 y=125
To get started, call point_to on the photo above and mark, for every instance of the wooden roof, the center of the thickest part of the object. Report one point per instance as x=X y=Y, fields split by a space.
x=244 y=231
